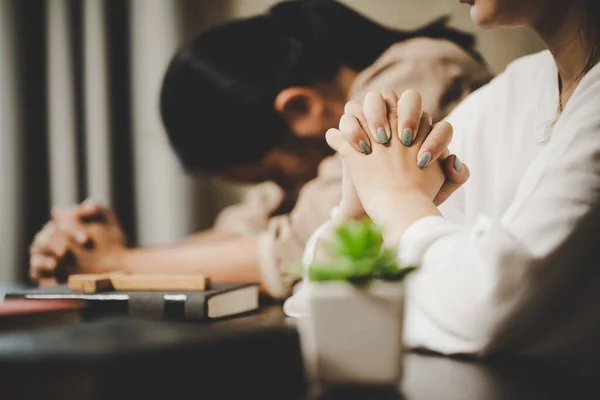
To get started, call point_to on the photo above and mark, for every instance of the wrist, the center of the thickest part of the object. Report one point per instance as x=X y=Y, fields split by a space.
x=385 y=204
x=339 y=214
x=395 y=210
x=118 y=259
x=346 y=212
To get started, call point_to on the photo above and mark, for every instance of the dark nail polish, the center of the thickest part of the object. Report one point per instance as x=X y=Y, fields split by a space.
x=407 y=137
x=364 y=147
x=382 y=135
x=424 y=160
x=457 y=164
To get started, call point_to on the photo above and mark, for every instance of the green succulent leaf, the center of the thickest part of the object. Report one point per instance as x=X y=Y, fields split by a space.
x=357 y=256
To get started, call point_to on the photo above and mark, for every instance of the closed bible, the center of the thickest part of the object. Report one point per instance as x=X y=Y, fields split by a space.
x=216 y=302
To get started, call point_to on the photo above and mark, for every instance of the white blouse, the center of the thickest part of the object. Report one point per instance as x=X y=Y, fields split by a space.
x=513 y=266
x=514 y=263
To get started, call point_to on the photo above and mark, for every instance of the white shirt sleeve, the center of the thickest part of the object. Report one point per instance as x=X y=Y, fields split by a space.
x=479 y=286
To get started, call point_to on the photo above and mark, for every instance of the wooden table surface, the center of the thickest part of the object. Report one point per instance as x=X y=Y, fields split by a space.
x=256 y=356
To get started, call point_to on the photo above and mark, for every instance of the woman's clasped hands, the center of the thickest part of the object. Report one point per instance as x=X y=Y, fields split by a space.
x=397 y=167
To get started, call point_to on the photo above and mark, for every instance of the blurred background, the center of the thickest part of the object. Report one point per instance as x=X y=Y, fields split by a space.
x=79 y=117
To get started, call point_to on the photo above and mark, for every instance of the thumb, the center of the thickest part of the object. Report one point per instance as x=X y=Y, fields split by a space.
x=350 y=204
x=334 y=138
x=457 y=173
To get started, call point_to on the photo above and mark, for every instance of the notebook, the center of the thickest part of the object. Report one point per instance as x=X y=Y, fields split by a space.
x=219 y=301
x=20 y=314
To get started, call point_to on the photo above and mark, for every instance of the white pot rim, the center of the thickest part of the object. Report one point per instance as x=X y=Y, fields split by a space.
x=297 y=305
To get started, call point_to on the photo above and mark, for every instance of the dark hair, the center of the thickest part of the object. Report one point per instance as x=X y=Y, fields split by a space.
x=593 y=27
x=217 y=100
x=589 y=35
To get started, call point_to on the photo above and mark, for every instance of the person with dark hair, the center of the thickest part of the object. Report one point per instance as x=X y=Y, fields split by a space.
x=250 y=101
x=510 y=264
x=250 y=65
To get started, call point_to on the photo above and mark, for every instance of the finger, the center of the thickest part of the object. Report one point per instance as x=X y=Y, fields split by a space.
x=57 y=245
x=375 y=112
x=89 y=209
x=63 y=216
x=457 y=174
x=72 y=228
x=455 y=170
x=356 y=108
x=353 y=133
x=41 y=239
x=41 y=236
x=425 y=126
x=350 y=205
x=423 y=157
x=334 y=138
x=391 y=103
x=41 y=265
x=353 y=106
x=410 y=109
x=50 y=241
x=436 y=142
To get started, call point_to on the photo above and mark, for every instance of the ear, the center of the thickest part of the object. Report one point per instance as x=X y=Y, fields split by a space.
x=303 y=109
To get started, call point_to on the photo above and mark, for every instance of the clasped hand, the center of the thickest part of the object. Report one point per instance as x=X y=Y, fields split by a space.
x=84 y=238
x=389 y=146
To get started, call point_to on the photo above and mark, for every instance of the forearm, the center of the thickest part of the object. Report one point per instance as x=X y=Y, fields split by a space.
x=208 y=236
x=234 y=260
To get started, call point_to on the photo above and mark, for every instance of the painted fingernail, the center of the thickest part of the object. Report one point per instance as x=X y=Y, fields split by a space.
x=457 y=164
x=364 y=146
x=407 y=137
x=382 y=135
x=424 y=160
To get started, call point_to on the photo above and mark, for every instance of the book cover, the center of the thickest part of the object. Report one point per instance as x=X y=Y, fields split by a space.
x=20 y=314
x=219 y=301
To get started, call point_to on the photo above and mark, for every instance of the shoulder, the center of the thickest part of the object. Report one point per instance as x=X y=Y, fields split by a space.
x=401 y=64
x=534 y=69
x=531 y=62
x=421 y=47
x=324 y=190
x=587 y=93
x=583 y=109
x=430 y=66
x=405 y=53
x=526 y=74
x=330 y=170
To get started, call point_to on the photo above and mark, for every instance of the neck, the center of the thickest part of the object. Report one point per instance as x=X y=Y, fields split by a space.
x=562 y=31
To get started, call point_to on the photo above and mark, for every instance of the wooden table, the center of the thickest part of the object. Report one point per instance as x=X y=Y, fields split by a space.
x=256 y=356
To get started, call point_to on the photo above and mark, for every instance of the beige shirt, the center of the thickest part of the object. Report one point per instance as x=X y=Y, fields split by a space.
x=440 y=70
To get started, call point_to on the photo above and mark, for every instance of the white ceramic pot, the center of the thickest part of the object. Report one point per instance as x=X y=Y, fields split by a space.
x=353 y=334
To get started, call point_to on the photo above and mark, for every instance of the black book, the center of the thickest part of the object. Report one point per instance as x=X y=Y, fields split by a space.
x=219 y=301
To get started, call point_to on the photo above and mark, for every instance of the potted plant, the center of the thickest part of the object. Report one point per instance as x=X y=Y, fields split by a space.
x=353 y=328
